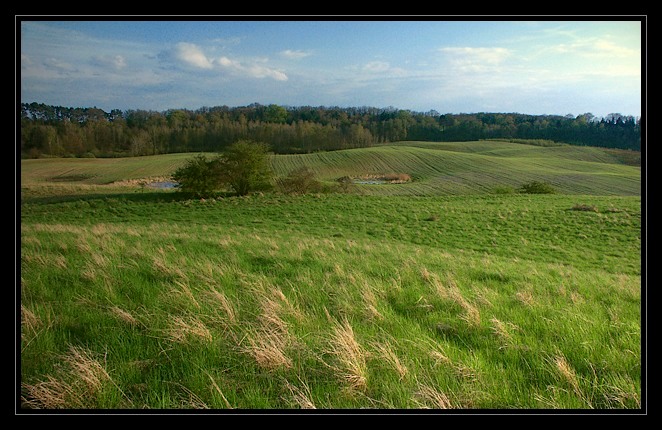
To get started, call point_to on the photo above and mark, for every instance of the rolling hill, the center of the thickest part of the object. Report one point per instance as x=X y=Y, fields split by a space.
x=436 y=168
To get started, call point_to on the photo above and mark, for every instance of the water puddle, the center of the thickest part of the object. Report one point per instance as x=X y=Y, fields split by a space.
x=163 y=185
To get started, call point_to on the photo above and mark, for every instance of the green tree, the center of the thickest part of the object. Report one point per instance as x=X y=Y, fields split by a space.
x=245 y=167
x=200 y=176
x=275 y=113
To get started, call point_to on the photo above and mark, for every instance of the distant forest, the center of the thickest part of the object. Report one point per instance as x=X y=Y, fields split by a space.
x=55 y=131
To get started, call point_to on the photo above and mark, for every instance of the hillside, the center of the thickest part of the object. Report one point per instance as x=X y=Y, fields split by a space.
x=144 y=299
x=436 y=168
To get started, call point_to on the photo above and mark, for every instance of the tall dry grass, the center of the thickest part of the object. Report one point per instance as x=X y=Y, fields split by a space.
x=350 y=358
x=76 y=384
x=301 y=396
x=184 y=329
x=449 y=290
x=428 y=397
x=268 y=339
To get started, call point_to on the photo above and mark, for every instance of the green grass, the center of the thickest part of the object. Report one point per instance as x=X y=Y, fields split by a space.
x=140 y=299
x=437 y=168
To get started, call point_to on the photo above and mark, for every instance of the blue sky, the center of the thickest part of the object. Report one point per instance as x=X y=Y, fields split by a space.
x=531 y=67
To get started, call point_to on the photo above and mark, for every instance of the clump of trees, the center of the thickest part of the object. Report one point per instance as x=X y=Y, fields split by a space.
x=243 y=168
x=55 y=131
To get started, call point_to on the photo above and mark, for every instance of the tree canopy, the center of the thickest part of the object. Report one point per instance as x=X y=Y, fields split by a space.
x=90 y=132
x=243 y=166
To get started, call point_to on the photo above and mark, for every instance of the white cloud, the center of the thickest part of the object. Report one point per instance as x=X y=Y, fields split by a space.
x=251 y=70
x=594 y=47
x=192 y=55
x=476 y=59
x=294 y=55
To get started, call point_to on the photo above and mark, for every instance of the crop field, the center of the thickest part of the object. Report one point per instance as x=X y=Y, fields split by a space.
x=452 y=291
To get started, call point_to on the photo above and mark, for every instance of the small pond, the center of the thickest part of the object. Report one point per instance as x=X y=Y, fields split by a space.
x=163 y=184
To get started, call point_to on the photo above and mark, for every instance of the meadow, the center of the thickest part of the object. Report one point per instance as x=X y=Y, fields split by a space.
x=452 y=291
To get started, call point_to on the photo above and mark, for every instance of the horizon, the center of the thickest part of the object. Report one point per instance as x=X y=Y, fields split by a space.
x=555 y=68
x=287 y=107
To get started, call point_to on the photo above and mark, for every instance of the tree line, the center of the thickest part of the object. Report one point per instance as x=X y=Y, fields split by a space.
x=56 y=131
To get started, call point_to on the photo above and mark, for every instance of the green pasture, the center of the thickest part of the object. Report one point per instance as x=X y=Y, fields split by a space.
x=435 y=294
x=436 y=168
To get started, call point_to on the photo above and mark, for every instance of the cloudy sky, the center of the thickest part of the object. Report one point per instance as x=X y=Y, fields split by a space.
x=451 y=66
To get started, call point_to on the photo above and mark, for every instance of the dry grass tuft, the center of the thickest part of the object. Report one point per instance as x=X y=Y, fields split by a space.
x=568 y=374
x=182 y=330
x=86 y=368
x=124 y=316
x=185 y=291
x=89 y=273
x=452 y=292
x=502 y=332
x=461 y=370
x=267 y=347
x=566 y=371
x=226 y=305
x=525 y=297
x=385 y=352
x=430 y=398
x=165 y=269
x=30 y=323
x=83 y=245
x=99 y=260
x=350 y=356
x=427 y=275
x=576 y=298
x=301 y=396
x=53 y=394
x=268 y=341
x=187 y=398
x=60 y=261
x=79 y=381
x=370 y=304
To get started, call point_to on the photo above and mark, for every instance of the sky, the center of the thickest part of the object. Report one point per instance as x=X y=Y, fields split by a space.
x=537 y=67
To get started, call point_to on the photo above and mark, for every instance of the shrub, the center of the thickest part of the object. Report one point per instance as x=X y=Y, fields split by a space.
x=537 y=187
x=200 y=176
x=300 y=181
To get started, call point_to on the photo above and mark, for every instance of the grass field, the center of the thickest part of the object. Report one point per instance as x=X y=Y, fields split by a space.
x=436 y=294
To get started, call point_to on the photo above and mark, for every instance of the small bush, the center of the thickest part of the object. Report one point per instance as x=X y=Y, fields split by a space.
x=299 y=181
x=537 y=187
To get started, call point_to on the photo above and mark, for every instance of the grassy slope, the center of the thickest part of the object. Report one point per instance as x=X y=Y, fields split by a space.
x=137 y=299
x=437 y=168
